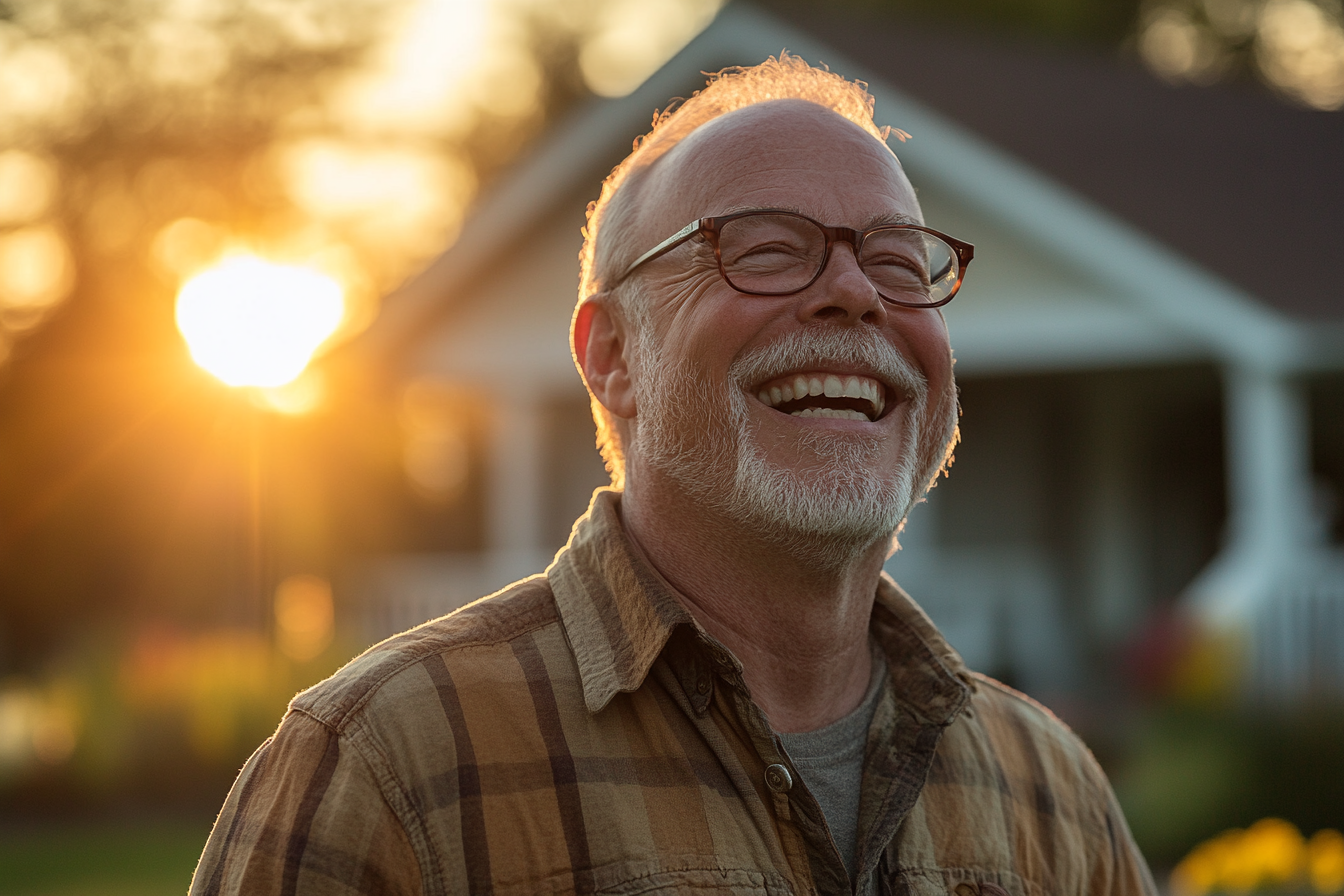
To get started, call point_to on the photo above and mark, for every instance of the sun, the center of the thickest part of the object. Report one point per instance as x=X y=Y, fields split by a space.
x=253 y=322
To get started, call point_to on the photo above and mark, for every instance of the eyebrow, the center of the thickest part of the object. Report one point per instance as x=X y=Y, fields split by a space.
x=893 y=218
x=875 y=221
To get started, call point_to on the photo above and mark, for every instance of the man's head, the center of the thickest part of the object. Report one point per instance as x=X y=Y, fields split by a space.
x=689 y=376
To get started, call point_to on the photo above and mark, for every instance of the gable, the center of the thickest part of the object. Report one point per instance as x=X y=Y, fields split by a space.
x=1026 y=309
x=1058 y=282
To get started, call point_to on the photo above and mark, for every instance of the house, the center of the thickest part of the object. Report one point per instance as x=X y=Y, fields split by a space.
x=1150 y=348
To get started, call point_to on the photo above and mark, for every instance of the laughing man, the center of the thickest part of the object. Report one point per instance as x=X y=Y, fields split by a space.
x=714 y=688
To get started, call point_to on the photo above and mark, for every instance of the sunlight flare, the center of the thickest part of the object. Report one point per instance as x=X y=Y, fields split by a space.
x=252 y=322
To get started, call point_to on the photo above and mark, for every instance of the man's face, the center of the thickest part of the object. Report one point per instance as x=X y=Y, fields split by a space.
x=709 y=359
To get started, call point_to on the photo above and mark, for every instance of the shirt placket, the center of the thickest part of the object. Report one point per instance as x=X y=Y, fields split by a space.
x=805 y=839
x=899 y=752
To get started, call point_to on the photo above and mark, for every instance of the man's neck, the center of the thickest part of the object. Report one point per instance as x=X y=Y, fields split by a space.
x=800 y=632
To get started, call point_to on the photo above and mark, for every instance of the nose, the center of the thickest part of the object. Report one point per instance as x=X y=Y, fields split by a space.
x=843 y=293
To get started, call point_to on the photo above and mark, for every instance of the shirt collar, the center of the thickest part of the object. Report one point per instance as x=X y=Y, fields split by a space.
x=928 y=676
x=619 y=613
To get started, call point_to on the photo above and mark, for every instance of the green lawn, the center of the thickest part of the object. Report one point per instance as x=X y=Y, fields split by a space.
x=139 y=859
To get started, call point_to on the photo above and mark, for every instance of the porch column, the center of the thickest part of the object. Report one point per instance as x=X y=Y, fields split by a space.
x=1269 y=460
x=1116 y=568
x=1270 y=526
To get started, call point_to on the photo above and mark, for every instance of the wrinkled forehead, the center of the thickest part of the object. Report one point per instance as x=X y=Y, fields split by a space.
x=780 y=154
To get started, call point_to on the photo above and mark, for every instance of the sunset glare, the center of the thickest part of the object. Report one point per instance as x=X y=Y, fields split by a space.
x=252 y=322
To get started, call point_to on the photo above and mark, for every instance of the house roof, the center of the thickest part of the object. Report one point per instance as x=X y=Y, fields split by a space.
x=1237 y=180
x=1180 y=296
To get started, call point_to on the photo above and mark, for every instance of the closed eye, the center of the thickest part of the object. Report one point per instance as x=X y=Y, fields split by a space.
x=768 y=255
x=896 y=268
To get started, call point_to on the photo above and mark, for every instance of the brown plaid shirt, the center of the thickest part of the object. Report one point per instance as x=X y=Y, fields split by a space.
x=579 y=733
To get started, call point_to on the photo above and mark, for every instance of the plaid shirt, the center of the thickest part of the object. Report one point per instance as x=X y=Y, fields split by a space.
x=579 y=733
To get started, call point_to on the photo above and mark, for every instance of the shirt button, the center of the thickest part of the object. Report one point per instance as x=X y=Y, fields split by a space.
x=702 y=685
x=778 y=779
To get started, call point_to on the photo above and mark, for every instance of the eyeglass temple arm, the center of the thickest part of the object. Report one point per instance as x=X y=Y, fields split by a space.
x=666 y=245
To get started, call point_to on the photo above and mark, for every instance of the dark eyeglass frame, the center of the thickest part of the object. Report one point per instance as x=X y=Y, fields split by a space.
x=711 y=227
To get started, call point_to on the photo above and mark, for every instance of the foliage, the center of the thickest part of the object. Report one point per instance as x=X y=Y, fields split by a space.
x=1270 y=856
x=162 y=716
x=1295 y=46
x=120 y=857
x=141 y=140
x=1193 y=770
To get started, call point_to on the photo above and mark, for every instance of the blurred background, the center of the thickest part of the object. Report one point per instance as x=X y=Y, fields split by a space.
x=284 y=294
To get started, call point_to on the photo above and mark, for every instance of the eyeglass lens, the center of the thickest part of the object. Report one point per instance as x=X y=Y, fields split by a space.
x=779 y=254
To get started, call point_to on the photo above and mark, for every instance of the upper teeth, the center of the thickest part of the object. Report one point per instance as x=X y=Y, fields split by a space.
x=830 y=385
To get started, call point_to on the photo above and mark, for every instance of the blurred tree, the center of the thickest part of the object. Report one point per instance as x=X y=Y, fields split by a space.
x=145 y=125
x=138 y=141
x=1296 y=47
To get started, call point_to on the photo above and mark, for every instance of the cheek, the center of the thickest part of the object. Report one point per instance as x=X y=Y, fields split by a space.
x=927 y=338
x=715 y=328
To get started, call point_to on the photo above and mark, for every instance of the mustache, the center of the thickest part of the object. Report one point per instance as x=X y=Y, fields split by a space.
x=816 y=348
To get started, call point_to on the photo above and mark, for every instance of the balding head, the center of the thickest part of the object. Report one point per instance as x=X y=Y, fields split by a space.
x=673 y=173
x=772 y=144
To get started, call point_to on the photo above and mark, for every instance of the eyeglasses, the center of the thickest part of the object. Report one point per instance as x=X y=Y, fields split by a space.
x=778 y=253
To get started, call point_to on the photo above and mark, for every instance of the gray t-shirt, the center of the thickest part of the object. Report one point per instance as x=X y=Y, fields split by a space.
x=830 y=761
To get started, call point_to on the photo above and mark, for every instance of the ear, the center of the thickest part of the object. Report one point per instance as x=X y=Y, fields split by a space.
x=600 y=347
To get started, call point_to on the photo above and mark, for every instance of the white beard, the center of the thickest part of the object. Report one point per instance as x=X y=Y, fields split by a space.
x=700 y=435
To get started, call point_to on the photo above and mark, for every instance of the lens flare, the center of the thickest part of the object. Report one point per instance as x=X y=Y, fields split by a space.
x=252 y=322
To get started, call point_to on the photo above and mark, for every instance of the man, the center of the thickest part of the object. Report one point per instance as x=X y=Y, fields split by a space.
x=713 y=687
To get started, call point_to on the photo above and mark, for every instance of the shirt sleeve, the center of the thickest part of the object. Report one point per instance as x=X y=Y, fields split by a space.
x=306 y=816
x=1120 y=869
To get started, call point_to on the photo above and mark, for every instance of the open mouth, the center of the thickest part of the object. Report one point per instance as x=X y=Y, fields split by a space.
x=825 y=395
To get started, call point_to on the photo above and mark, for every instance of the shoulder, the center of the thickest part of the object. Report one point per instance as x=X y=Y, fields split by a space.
x=415 y=663
x=1026 y=763
x=1011 y=717
x=1013 y=791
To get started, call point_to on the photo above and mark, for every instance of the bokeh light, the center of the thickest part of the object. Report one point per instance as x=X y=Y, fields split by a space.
x=393 y=199
x=435 y=454
x=1296 y=45
x=252 y=322
x=38 y=723
x=27 y=186
x=1301 y=50
x=411 y=82
x=304 y=617
x=36 y=272
x=633 y=39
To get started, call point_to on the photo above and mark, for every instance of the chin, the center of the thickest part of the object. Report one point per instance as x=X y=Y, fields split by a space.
x=825 y=517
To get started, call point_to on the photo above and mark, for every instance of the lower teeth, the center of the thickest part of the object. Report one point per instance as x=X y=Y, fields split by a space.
x=830 y=412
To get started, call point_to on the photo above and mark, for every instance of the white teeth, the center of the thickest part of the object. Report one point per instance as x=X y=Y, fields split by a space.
x=831 y=386
x=830 y=412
